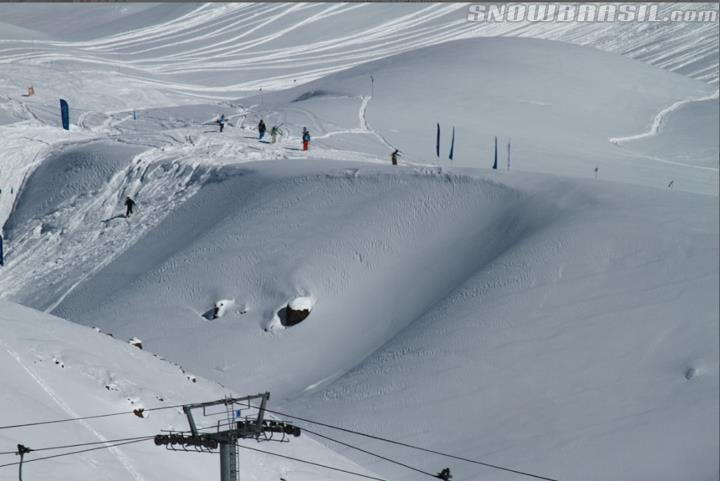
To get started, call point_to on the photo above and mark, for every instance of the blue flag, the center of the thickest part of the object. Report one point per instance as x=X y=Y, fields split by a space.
x=65 y=114
x=2 y=259
x=495 y=162
x=437 y=141
x=452 y=144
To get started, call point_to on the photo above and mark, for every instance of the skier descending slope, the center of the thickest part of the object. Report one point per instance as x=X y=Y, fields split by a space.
x=306 y=138
x=261 y=129
x=394 y=157
x=221 y=122
x=129 y=204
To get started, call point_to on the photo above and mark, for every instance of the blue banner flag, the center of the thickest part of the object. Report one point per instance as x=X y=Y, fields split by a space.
x=65 y=114
x=452 y=144
x=495 y=162
x=437 y=141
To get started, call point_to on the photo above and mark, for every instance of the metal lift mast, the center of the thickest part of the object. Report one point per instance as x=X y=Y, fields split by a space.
x=227 y=430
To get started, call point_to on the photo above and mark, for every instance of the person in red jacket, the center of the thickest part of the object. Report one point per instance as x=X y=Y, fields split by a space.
x=306 y=138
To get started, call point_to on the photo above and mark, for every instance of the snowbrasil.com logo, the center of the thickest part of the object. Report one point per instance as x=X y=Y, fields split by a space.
x=588 y=12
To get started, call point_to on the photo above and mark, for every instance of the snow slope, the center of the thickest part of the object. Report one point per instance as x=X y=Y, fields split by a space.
x=535 y=318
x=588 y=349
x=546 y=290
x=222 y=50
x=562 y=107
x=75 y=22
x=53 y=369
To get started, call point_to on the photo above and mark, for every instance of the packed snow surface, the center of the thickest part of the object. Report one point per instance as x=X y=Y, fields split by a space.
x=558 y=315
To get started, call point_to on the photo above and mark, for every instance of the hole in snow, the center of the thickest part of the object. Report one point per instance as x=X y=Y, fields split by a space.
x=296 y=311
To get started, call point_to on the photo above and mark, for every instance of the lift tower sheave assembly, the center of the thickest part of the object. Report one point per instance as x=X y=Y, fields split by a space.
x=229 y=425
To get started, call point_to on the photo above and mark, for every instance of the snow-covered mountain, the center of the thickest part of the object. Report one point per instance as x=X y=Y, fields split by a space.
x=557 y=316
x=215 y=51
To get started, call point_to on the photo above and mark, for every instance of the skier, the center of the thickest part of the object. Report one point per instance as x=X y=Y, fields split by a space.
x=274 y=132
x=394 y=157
x=221 y=122
x=306 y=138
x=129 y=204
x=261 y=129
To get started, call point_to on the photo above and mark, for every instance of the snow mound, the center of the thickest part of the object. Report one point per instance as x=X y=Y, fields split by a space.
x=528 y=284
x=65 y=175
x=301 y=304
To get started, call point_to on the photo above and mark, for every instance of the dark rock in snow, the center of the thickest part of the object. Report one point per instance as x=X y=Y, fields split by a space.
x=296 y=311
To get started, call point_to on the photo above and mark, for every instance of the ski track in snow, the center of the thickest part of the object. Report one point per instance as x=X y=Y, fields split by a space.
x=660 y=117
x=251 y=40
x=655 y=130
x=119 y=455
x=364 y=127
x=672 y=162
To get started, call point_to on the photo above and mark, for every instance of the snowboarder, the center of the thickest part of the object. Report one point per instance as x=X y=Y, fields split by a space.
x=444 y=474
x=306 y=138
x=274 y=132
x=129 y=204
x=394 y=157
x=221 y=122
x=261 y=129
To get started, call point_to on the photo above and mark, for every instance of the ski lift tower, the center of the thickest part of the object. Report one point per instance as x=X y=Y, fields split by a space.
x=227 y=427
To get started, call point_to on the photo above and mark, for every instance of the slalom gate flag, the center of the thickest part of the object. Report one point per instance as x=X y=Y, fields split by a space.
x=452 y=144
x=437 y=141
x=2 y=259
x=65 y=114
x=495 y=162
x=508 y=159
